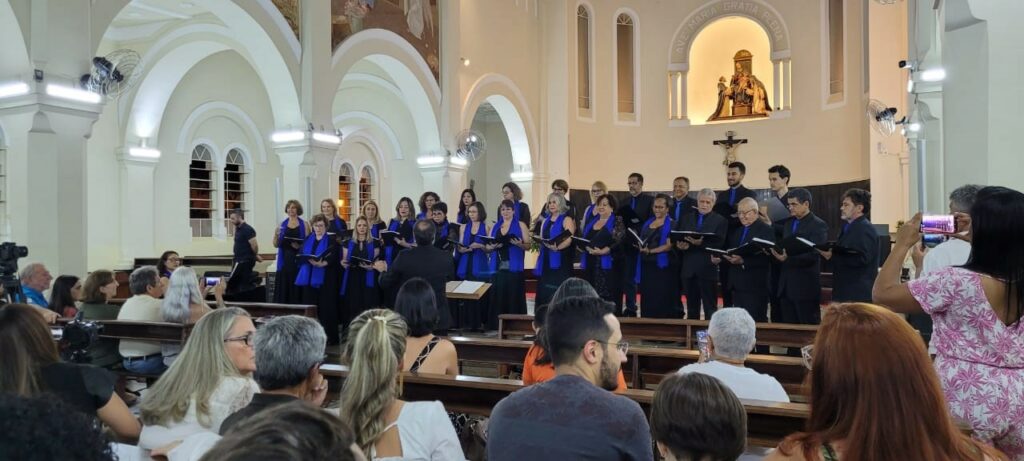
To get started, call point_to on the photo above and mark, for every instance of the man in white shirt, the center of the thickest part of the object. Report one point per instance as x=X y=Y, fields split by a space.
x=730 y=339
x=147 y=288
x=952 y=252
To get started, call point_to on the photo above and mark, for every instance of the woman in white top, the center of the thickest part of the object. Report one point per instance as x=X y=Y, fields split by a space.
x=210 y=380
x=184 y=303
x=385 y=426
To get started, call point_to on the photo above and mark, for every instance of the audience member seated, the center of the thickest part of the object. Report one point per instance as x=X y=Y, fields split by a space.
x=572 y=416
x=289 y=352
x=294 y=431
x=976 y=310
x=537 y=366
x=424 y=352
x=42 y=428
x=169 y=262
x=64 y=295
x=35 y=279
x=30 y=365
x=874 y=395
x=385 y=426
x=97 y=291
x=184 y=303
x=143 y=357
x=210 y=380
x=696 y=417
x=730 y=339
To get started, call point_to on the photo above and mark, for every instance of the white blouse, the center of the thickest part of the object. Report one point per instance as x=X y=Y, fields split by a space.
x=426 y=433
x=232 y=394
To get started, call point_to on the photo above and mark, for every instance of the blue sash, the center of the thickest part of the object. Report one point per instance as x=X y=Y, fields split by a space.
x=516 y=255
x=588 y=214
x=444 y=229
x=389 y=250
x=606 y=260
x=340 y=224
x=369 y=273
x=481 y=265
x=281 y=243
x=310 y=275
x=420 y=216
x=554 y=257
x=662 y=258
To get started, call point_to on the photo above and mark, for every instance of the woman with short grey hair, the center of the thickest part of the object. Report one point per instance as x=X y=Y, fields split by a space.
x=184 y=303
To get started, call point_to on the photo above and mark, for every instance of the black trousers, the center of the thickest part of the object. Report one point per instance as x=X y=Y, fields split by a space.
x=628 y=284
x=755 y=303
x=723 y=279
x=700 y=293
x=773 y=297
x=806 y=311
x=242 y=276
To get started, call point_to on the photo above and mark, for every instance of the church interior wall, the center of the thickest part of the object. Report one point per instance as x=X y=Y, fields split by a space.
x=806 y=141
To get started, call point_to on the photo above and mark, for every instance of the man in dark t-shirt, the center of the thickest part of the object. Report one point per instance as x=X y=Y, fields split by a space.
x=246 y=252
x=574 y=415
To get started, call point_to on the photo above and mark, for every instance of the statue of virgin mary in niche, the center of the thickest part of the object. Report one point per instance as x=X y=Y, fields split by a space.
x=743 y=96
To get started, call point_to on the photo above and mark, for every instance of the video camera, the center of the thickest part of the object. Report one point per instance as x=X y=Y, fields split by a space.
x=78 y=336
x=10 y=253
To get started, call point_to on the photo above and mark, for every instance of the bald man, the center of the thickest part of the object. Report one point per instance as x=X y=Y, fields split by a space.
x=748 y=276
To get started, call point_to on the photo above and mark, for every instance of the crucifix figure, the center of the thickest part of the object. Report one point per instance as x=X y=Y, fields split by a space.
x=729 y=144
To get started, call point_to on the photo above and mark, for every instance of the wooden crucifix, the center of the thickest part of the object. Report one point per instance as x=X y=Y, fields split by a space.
x=729 y=144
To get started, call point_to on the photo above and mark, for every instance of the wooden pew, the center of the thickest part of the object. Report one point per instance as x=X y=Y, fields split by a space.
x=140 y=331
x=767 y=422
x=645 y=366
x=258 y=310
x=677 y=330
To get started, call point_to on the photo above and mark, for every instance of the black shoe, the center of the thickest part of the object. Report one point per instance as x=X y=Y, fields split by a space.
x=629 y=312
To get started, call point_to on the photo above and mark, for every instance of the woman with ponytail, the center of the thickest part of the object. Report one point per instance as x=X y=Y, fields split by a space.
x=385 y=426
x=288 y=239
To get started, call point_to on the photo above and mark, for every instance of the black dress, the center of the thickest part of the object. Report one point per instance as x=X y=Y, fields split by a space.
x=605 y=281
x=508 y=291
x=551 y=279
x=285 y=291
x=358 y=296
x=659 y=287
x=326 y=296
x=85 y=387
x=472 y=314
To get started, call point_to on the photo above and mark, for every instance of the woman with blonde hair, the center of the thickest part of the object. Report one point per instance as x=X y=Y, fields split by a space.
x=210 y=380
x=385 y=426
x=874 y=395
x=371 y=211
x=184 y=303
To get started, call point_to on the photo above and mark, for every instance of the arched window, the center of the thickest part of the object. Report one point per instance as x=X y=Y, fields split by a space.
x=201 y=190
x=365 y=185
x=346 y=177
x=625 y=68
x=235 y=178
x=584 y=95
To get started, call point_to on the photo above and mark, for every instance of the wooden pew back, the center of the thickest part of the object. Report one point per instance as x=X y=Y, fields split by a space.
x=258 y=310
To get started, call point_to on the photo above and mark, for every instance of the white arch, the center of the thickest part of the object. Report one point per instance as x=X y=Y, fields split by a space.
x=756 y=10
x=508 y=101
x=212 y=109
x=405 y=66
x=367 y=139
x=215 y=151
x=357 y=78
x=342 y=121
x=245 y=155
x=13 y=53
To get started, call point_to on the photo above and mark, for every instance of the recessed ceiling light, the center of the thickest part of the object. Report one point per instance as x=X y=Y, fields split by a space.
x=187 y=5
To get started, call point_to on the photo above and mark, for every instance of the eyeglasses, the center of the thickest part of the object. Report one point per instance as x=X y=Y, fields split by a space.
x=622 y=346
x=747 y=212
x=246 y=339
x=596 y=191
x=807 y=353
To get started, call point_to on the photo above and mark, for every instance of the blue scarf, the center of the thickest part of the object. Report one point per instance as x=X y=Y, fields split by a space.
x=339 y=224
x=281 y=243
x=606 y=260
x=662 y=258
x=588 y=215
x=389 y=251
x=375 y=230
x=463 y=219
x=554 y=257
x=369 y=273
x=420 y=216
x=516 y=255
x=310 y=275
x=480 y=263
x=444 y=229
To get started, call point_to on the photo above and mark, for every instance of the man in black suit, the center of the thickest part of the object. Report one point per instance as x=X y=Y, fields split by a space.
x=699 y=274
x=776 y=210
x=682 y=204
x=726 y=206
x=425 y=261
x=800 y=278
x=853 y=274
x=748 y=280
x=639 y=205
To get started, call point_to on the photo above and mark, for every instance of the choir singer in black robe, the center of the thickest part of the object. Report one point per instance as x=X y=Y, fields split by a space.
x=800 y=279
x=748 y=278
x=855 y=256
x=699 y=274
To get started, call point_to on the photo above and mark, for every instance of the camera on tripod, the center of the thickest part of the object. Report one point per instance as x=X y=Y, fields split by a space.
x=78 y=336
x=10 y=253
